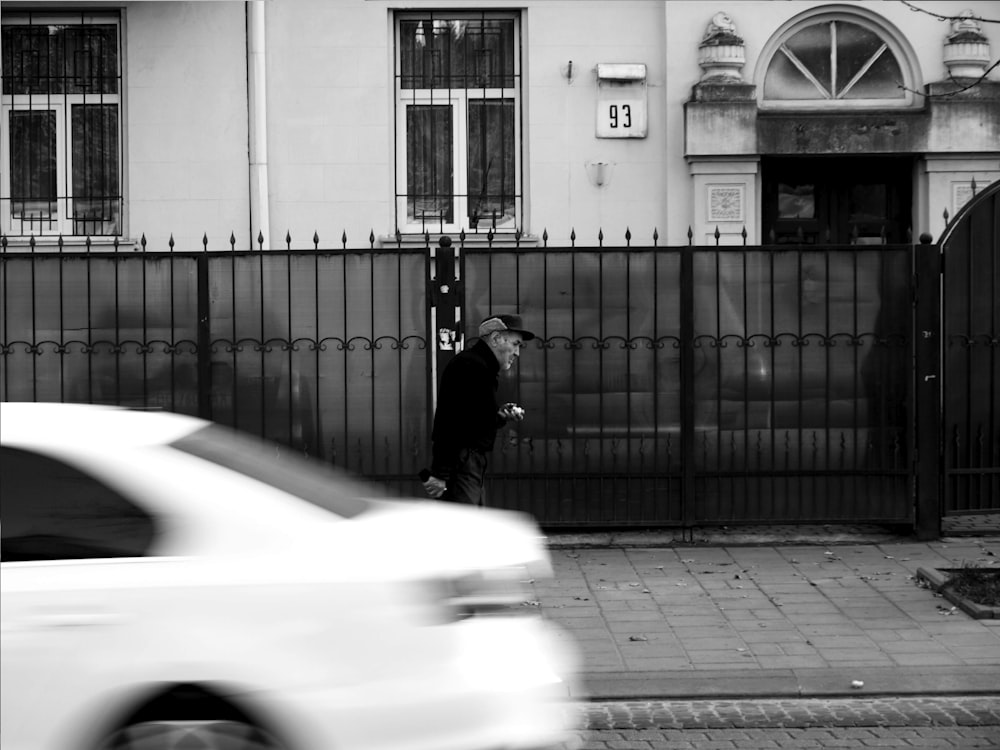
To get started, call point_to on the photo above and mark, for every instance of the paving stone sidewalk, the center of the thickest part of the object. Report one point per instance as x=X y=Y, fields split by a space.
x=821 y=617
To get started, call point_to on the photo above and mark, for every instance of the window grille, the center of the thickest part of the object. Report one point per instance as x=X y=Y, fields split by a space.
x=458 y=122
x=61 y=119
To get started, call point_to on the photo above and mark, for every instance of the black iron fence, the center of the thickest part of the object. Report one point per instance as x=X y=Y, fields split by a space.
x=325 y=351
x=703 y=385
x=668 y=386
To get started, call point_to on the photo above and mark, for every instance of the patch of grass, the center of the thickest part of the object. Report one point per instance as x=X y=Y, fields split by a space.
x=979 y=585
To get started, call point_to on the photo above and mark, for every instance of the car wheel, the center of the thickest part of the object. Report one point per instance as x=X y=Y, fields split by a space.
x=184 y=735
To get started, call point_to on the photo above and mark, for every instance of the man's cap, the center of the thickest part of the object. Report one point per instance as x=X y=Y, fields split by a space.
x=505 y=323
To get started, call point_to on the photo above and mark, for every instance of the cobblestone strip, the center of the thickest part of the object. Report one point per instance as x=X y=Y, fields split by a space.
x=945 y=711
x=836 y=738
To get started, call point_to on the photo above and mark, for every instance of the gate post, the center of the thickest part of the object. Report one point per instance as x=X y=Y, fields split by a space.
x=927 y=388
x=204 y=341
x=687 y=389
x=445 y=323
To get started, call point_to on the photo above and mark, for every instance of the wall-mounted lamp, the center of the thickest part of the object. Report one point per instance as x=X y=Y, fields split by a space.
x=567 y=71
x=599 y=172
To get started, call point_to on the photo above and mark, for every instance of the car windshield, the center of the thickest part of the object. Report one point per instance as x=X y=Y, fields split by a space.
x=283 y=468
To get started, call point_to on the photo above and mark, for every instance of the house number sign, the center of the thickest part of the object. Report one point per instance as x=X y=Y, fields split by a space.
x=621 y=100
x=621 y=118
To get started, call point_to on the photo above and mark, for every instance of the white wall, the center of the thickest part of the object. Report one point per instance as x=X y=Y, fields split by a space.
x=186 y=115
x=330 y=114
x=562 y=117
x=330 y=120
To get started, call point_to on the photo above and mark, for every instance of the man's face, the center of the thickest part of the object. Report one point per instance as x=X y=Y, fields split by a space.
x=507 y=348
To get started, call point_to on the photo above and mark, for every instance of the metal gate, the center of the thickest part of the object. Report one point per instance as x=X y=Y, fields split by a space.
x=701 y=385
x=671 y=386
x=970 y=393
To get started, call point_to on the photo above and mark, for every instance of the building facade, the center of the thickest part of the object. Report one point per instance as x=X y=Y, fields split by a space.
x=822 y=122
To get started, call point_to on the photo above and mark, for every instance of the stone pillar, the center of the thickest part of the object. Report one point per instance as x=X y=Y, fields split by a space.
x=963 y=132
x=721 y=141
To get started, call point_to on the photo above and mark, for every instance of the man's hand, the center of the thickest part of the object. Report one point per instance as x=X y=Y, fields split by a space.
x=435 y=487
x=511 y=411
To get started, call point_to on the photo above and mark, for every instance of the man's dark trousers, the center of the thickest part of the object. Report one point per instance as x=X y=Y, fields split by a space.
x=465 y=485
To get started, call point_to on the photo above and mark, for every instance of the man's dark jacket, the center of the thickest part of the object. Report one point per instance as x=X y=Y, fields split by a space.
x=466 y=415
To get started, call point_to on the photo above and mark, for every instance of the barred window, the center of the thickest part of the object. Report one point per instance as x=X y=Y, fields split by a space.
x=458 y=139
x=61 y=120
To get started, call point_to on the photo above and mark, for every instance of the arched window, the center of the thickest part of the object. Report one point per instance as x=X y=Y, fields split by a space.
x=836 y=60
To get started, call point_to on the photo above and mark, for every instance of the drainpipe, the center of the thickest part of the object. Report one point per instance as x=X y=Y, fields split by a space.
x=260 y=208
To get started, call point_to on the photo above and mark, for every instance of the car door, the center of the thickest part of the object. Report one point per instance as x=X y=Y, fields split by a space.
x=62 y=533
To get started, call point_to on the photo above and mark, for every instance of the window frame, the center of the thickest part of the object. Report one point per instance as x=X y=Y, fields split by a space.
x=64 y=105
x=894 y=42
x=459 y=100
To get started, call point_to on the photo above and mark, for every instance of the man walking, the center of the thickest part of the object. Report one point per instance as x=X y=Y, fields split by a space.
x=468 y=416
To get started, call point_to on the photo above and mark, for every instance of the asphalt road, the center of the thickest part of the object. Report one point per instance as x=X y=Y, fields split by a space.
x=931 y=723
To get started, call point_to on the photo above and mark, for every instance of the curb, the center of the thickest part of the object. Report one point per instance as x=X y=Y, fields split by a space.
x=818 y=682
x=982 y=526
x=724 y=536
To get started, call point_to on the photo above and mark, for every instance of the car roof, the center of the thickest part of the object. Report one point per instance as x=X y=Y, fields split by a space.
x=49 y=423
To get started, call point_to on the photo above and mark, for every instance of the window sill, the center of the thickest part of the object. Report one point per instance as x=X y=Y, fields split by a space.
x=478 y=241
x=54 y=244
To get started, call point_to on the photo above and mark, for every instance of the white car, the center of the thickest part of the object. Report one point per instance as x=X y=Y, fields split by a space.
x=171 y=583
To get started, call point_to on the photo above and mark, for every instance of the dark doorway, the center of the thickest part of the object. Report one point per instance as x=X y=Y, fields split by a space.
x=837 y=199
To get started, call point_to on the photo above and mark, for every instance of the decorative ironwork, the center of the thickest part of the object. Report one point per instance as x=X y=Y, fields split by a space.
x=668 y=385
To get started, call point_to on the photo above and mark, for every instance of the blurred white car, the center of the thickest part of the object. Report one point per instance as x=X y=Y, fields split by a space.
x=170 y=583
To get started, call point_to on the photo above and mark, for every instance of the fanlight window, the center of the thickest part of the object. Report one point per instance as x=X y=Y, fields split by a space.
x=835 y=63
